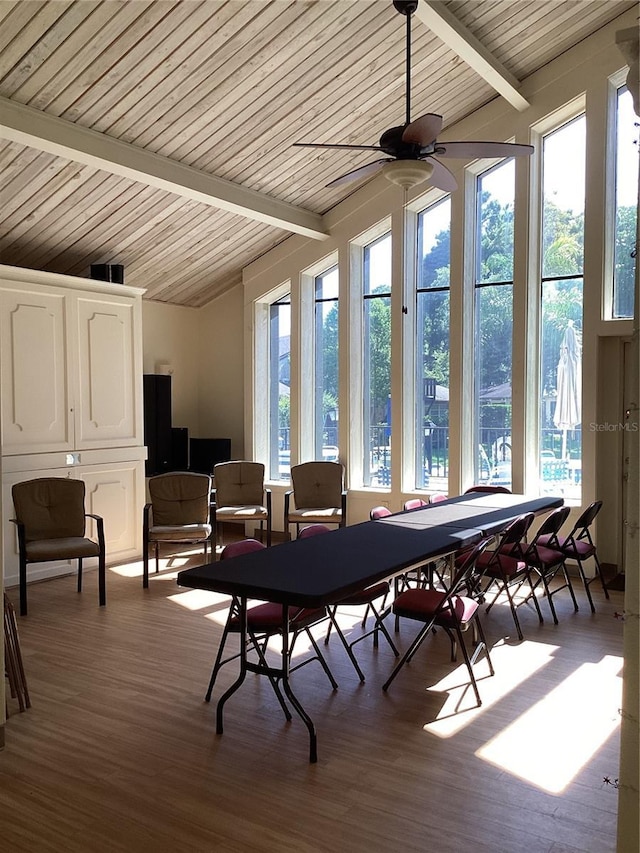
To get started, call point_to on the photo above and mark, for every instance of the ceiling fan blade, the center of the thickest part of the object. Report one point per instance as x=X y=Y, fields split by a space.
x=336 y=145
x=357 y=174
x=424 y=130
x=441 y=177
x=471 y=150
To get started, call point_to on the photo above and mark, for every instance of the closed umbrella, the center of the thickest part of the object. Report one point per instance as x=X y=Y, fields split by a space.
x=568 y=413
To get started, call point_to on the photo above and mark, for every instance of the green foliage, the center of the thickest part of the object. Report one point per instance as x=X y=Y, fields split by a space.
x=625 y=263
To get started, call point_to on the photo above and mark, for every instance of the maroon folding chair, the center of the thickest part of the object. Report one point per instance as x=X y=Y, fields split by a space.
x=451 y=610
x=265 y=621
x=578 y=545
x=546 y=561
x=489 y=489
x=507 y=569
x=364 y=597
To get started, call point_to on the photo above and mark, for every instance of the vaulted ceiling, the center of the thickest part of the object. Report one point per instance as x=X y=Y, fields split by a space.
x=158 y=134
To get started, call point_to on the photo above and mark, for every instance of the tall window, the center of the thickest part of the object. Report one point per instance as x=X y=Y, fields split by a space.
x=326 y=365
x=495 y=192
x=626 y=205
x=376 y=362
x=432 y=347
x=279 y=388
x=563 y=174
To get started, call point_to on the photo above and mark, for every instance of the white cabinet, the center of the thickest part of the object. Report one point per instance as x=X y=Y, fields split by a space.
x=71 y=401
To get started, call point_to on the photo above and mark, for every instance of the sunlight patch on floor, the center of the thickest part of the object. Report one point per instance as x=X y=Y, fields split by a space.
x=549 y=744
x=199 y=599
x=128 y=570
x=513 y=666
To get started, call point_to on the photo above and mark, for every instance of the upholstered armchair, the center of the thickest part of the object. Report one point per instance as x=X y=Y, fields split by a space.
x=319 y=496
x=240 y=496
x=51 y=520
x=178 y=514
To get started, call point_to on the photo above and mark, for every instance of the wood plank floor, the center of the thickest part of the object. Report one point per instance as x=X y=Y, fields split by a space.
x=119 y=751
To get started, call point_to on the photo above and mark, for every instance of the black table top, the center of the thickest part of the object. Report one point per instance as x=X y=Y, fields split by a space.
x=323 y=569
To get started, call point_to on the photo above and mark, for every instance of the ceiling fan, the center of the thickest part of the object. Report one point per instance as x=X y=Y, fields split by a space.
x=413 y=145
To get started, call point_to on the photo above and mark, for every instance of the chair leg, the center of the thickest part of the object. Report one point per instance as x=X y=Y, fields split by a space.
x=79 y=574
x=599 y=572
x=321 y=659
x=547 y=592
x=585 y=584
x=217 y=664
x=569 y=586
x=145 y=559
x=465 y=655
x=157 y=557
x=514 y=612
x=333 y=622
x=408 y=654
x=102 y=579
x=260 y=651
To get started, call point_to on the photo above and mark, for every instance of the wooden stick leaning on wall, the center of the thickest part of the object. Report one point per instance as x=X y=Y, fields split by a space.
x=13 y=658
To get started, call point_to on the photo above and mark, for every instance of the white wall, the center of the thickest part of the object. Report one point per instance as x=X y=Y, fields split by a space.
x=204 y=348
x=170 y=336
x=221 y=368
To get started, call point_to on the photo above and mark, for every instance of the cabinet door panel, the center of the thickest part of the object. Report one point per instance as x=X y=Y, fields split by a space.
x=35 y=383
x=116 y=492
x=106 y=409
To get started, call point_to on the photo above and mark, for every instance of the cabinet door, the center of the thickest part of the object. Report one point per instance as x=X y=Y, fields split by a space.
x=108 y=403
x=36 y=415
x=116 y=492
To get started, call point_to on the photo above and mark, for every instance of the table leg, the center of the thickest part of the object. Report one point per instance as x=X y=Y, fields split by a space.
x=306 y=719
x=243 y=666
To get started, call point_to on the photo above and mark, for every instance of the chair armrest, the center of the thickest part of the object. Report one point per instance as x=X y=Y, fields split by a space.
x=22 y=539
x=287 y=498
x=267 y=500
x=100 y=527
x=343 y=507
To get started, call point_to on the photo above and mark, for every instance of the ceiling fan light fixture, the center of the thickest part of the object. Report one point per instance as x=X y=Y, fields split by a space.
x=407 y=173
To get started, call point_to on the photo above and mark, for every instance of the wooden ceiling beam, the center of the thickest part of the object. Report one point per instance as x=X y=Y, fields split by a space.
x=447 y=27
x=44 y=132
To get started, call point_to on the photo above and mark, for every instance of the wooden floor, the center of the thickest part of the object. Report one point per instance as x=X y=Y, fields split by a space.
x=119 y=753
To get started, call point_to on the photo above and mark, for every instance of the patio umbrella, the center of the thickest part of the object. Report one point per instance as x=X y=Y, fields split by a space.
x=568 y=413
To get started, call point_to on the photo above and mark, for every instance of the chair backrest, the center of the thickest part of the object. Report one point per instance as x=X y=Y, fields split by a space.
x=489 y=489
x=180 y=497
x=237 y=549
x=437 y=498
x=379 y=512
x=313 y=530
x=239 y=483
x=552 y=523
x=50 y=507
x=414 y=503
x=317 y=484
x=580 y=528
x=466 y=577
x=514 y=533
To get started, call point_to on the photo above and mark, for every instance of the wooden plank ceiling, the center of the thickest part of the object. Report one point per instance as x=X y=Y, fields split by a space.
x=225 y=88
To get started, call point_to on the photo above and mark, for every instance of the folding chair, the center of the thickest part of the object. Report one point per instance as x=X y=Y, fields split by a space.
x=507 y=569
x=362 y=598
x=548 y=560
x=265 y=621
x=579 y=546
x=450 y=610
